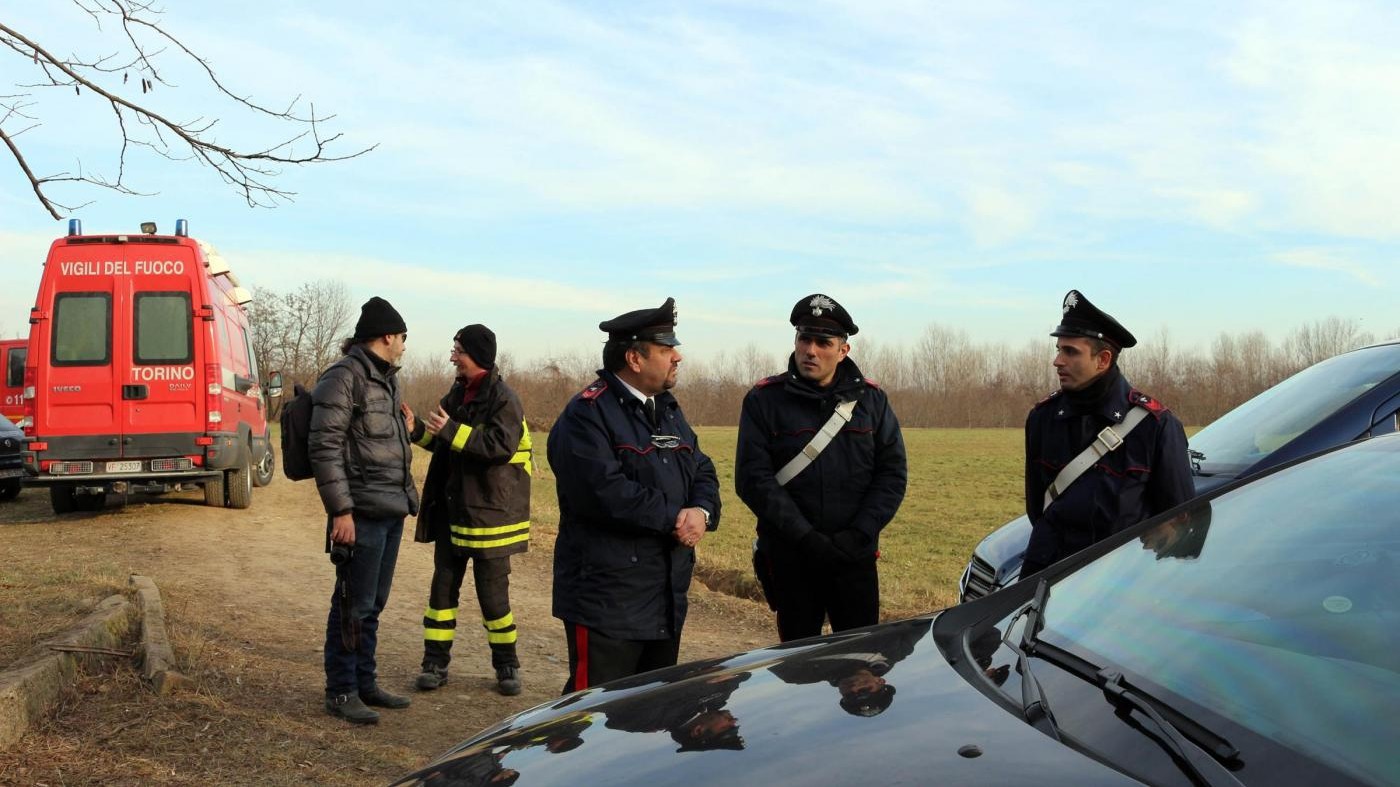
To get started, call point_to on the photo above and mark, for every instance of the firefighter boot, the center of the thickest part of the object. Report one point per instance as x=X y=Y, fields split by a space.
x=508 y=680
x=431 y=677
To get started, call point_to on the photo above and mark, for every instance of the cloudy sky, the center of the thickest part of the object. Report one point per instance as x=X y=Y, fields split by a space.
x=1192 y=167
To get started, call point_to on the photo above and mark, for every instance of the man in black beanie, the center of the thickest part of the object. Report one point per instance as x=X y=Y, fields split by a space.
x=476 y=506
x=1100 y=456
x=358 y=412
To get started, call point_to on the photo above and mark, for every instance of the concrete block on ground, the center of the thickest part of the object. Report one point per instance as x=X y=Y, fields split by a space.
x=157 y=657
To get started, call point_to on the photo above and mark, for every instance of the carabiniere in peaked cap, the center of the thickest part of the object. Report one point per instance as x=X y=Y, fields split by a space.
x=644 y=325
x=821 y=315
x=1080 y=318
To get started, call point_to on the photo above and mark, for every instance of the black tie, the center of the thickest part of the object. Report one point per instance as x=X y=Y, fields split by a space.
x=651 y=411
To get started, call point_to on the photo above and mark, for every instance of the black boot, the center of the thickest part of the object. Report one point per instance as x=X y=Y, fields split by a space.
x=431 y=677
x=382 y=699
x=508 y=680
x=351 y=708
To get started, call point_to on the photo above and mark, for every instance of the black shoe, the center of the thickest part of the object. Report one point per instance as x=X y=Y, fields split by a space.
x=383 y=699
x=351 y=708
x=431 y=678
x=508 y=680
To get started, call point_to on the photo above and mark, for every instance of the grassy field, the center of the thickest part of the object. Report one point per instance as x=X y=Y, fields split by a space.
x=963 y=483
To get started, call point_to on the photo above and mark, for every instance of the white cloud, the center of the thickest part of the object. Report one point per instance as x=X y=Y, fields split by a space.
x=1328 y=261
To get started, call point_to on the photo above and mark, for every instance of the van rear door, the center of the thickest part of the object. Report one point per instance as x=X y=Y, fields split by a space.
x=79 y=386
x=161 y=401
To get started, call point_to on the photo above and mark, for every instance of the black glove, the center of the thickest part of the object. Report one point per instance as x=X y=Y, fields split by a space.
x=852 y=544
x=817 y=548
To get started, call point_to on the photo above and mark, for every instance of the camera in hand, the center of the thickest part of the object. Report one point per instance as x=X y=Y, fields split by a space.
x=340 y=553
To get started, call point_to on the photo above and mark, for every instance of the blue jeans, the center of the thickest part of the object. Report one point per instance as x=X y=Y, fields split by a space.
x=370 y=572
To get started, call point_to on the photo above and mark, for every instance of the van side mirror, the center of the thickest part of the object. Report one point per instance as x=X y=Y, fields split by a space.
x=274 y=386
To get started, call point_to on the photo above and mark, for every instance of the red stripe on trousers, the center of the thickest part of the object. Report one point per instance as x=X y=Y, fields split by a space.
x=581 y=648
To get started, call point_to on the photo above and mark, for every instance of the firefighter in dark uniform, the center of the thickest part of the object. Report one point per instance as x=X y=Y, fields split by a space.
x=636 y=495
x=476 y=506
x=819 y=530
x=1144 y=474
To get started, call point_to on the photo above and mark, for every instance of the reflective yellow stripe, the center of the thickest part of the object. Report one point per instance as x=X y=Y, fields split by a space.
x=438 y=635
x=427 y=439
x=440 y=614
x=525 y=452
x=507 y=638
x=460 y=439
x=462 y=542
x=463 y=530
x=500 y=623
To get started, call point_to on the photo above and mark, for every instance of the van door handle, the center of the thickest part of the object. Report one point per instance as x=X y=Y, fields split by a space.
x=134 y=392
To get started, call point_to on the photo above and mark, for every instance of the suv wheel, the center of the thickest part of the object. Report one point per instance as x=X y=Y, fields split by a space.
x=9 y=489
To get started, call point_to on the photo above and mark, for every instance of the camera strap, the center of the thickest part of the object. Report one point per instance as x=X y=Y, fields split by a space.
x=349 y=623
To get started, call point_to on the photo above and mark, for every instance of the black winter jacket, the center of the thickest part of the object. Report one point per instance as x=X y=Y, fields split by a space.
x=359 y=450
x=618 y=568
x=1147 y=475
x=477 y=493
x=857 y=483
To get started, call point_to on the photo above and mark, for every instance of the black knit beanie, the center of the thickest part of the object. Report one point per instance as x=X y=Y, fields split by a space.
x=378 y=318
x=479 y=342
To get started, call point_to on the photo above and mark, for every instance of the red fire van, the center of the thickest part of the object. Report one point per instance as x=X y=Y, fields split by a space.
x=12 y=352
x=140 y=375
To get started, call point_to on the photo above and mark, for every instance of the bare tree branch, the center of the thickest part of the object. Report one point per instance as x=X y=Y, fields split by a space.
x=142 y=42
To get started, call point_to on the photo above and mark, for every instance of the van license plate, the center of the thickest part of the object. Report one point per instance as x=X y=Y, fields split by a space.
x=124 y=467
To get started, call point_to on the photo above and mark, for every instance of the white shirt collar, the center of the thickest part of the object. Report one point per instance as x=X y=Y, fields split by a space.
x=643 y=397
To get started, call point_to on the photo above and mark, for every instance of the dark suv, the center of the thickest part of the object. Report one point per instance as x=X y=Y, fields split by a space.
x=1346 y=397
x=11 y=466
x=1247 y=637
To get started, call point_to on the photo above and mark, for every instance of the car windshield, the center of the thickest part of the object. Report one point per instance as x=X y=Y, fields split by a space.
x=1276 y=605
x=1267 y=422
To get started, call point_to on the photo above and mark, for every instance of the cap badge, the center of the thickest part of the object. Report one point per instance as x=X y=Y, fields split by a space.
x=820 y=304
x=1071 y=301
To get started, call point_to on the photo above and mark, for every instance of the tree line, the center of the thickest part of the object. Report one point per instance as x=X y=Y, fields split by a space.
x=942 y=379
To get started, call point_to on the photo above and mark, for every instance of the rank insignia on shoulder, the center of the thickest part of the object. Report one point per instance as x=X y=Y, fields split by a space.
x=768 y=381
x=871 y=383
x=1051 y=396
x=594 y=391
x=1146 y=402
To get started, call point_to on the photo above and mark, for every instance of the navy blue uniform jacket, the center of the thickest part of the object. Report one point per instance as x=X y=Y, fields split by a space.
x=858 y=482
x=1148 y=474
x=618 y=568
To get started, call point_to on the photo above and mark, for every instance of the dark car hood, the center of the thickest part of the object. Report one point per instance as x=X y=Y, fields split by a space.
x=789 y=714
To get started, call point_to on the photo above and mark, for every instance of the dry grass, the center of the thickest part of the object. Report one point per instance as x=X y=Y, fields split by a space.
x=37 y=604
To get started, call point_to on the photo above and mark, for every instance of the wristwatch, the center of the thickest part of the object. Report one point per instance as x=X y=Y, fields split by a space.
x=706 y=513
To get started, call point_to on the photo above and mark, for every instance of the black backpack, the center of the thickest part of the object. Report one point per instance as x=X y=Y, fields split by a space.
x=296 y=429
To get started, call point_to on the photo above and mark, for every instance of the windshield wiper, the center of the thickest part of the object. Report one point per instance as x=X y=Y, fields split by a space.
x=1034 y=707
x=1198 y=750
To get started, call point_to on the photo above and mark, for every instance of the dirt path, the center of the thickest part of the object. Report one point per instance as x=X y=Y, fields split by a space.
x=247 y=593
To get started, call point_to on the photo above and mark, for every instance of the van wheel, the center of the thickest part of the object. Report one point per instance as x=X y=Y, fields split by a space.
x=240 y=485
x=214 y=491
x=9 y=490
x=262 y=475
x=61 y=498
x=89 y=501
